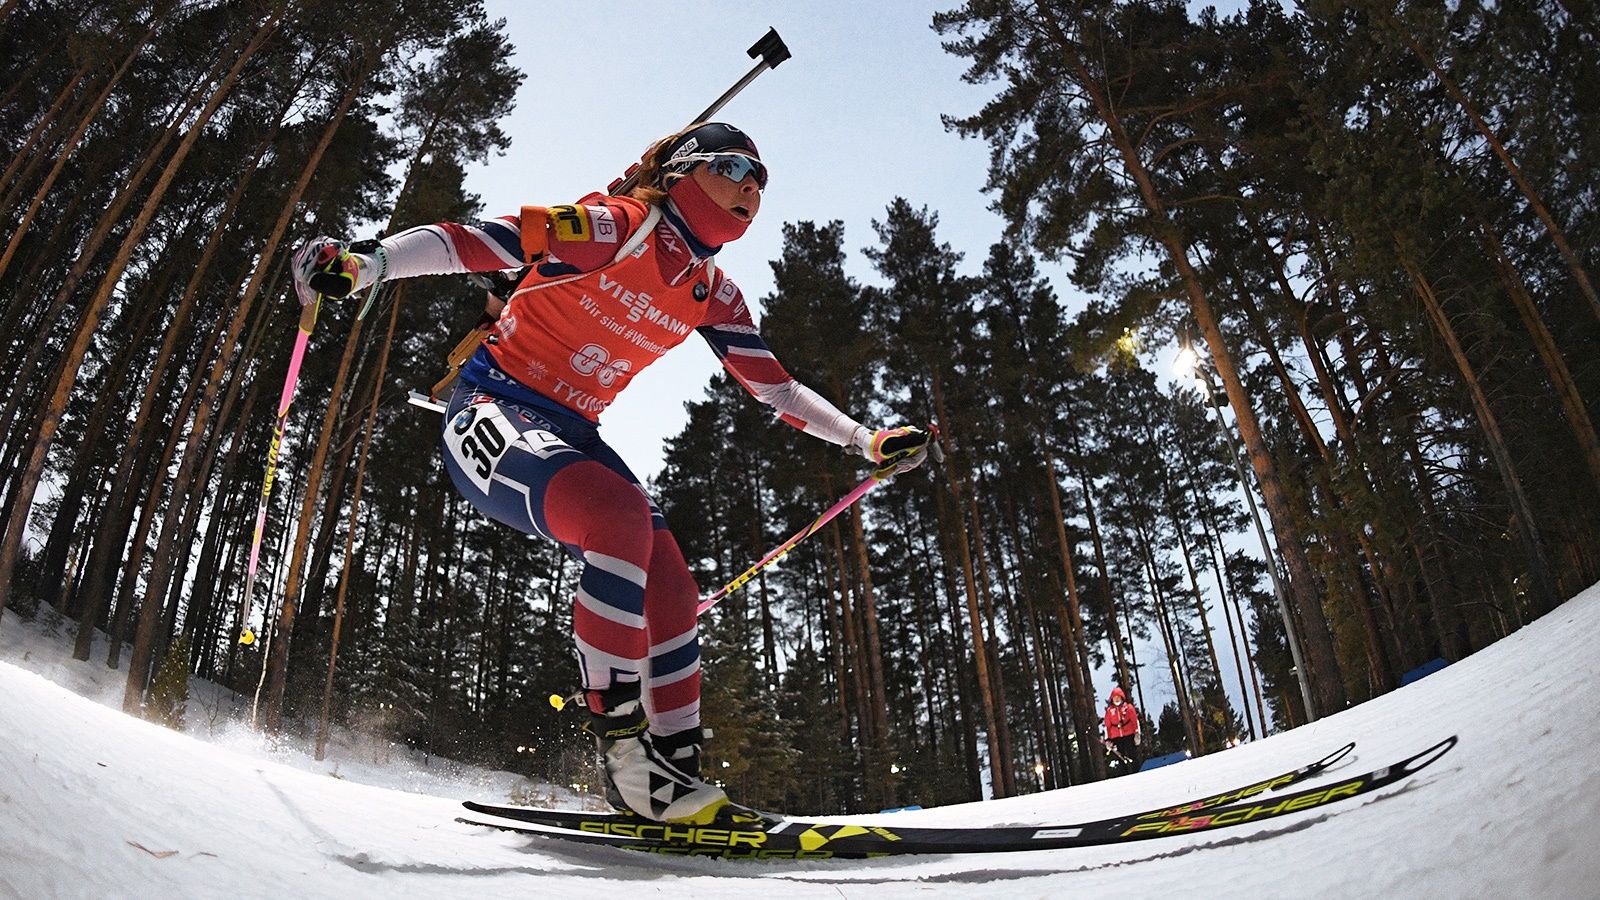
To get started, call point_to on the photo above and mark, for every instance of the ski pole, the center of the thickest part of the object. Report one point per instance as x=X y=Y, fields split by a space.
x=308 y=321
x=845 y=502
x=770 y=49
x=879 y=475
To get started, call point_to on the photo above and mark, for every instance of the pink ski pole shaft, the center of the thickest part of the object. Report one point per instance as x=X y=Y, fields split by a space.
x=845 y=502
x=308 y=321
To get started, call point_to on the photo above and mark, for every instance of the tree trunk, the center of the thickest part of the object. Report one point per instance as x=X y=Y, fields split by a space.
x=27 y=369
x=65 y=150
x=80 y=344
x=1213 y=539
x=136 y=556
x=950 y=531
x=1369 y=552
x=48 y=54
x=112 y=217
x=1199 y=597
x=33 y=146
x=980 y=652
x=62 y=531
x=1377 y=659
x=1559 y=237
x=1170 y=640
x=769 y=639
x=928 y=625
x=128 y=476
x=35 y=149
x=180 y=319
x=991 y=641
x=252 y=289
x=110 y=538
x=22 y=315
x=1079 y=680
x=278 y=664
x=1113 y=627
x=1521 y=508
x=1133 y=654
x=1555 y=365
x=1049 y=711
x=855 y=670
x=1319 y=645
x=836 y=642
x=878 y=712
x=205 y=623
x=355 y=518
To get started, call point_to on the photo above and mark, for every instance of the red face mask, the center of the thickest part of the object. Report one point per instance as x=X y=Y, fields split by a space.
x=712 y=224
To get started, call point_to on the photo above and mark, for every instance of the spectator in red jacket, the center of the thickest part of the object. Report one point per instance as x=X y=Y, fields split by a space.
x=1122 y=728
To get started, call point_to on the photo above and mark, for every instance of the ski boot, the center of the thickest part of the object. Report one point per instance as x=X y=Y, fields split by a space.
x=654 y=776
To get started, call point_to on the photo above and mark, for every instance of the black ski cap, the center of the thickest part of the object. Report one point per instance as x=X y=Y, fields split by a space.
x=710 y=137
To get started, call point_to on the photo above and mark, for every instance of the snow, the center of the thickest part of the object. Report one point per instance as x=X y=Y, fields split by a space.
x=97 y=804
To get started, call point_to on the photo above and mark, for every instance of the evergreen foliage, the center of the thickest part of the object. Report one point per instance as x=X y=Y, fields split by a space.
x=169 y=693
x=1376 y=222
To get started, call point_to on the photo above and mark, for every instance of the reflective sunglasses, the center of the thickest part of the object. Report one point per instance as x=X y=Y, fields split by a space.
x=732 y=166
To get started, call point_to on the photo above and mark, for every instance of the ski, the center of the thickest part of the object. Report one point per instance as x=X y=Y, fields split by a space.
x=811 y=840
x=750 y=818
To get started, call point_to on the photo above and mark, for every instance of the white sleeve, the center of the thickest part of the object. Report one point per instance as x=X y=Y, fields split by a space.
x=807 y=410
x=448 y=248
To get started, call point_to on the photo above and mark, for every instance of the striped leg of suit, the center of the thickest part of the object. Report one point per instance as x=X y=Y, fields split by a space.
x=634 y=610
x=606 y=519
x=672 y=679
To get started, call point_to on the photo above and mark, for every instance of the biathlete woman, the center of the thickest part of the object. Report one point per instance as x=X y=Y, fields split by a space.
x=615 y=283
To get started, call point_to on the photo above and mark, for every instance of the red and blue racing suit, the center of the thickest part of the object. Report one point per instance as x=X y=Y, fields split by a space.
x=521 y=436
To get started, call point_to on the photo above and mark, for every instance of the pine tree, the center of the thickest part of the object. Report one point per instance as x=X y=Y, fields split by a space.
x=169 y=694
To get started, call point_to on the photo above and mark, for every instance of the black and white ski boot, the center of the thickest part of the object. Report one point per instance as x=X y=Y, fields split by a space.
x=654 y=776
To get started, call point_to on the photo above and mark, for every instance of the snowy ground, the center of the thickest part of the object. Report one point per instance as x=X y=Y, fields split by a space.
x=97 y=804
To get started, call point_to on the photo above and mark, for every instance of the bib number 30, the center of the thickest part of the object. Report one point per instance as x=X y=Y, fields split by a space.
x=480 y=434
x=478 y=437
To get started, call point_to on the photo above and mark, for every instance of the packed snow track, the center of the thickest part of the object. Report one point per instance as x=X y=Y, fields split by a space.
x=97 y=804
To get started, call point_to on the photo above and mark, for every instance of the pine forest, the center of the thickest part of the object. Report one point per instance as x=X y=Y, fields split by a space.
x=1369 y=229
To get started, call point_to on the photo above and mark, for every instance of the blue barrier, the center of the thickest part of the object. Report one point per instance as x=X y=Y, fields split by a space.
x=1156 y=762
x=1422 y=671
